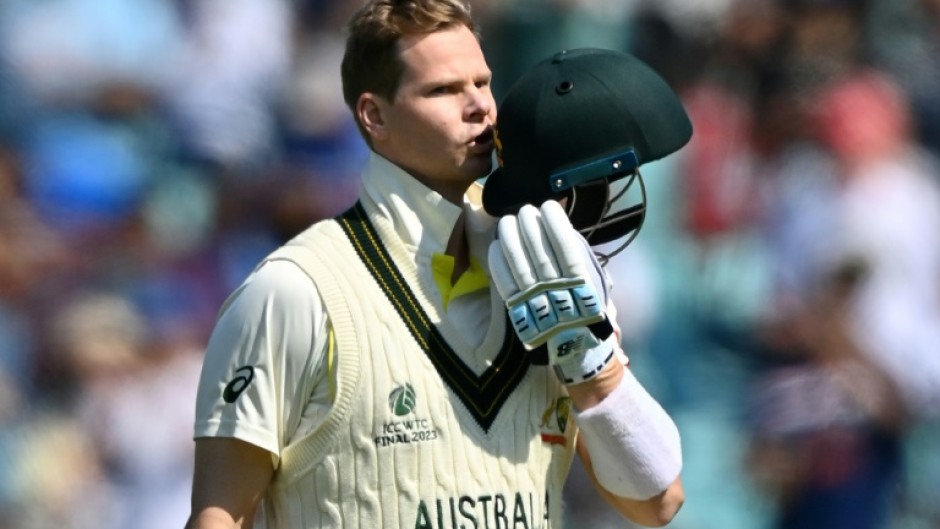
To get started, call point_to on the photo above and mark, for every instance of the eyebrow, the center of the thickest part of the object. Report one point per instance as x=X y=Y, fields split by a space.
x=447 y=80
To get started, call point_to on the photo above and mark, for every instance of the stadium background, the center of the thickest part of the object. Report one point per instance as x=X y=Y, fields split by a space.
x=151 y=151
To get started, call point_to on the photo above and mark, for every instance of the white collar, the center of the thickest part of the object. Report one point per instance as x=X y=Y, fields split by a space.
x=422 y=217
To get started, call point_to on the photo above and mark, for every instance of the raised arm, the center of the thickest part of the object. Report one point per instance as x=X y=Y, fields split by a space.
x=556 y=293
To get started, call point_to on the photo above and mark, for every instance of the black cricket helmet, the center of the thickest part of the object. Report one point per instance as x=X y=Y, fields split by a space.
x=577 y=122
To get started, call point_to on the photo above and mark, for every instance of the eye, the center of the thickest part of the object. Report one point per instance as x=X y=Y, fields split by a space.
x=482 y=84
x=441 y=90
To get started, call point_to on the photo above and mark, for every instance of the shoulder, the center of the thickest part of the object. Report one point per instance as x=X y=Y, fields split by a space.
x=276 y=315
x=279 y=278
x=276 y=287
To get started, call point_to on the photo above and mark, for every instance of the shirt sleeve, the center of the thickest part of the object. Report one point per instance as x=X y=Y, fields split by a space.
x=265 y=362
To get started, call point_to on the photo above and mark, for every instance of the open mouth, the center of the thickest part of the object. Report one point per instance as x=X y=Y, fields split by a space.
x=483 y=142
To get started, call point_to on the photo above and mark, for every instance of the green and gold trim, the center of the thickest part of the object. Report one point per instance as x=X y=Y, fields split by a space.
x=482 y=395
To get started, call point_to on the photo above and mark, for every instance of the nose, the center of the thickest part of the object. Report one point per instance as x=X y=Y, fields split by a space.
x=481 y=104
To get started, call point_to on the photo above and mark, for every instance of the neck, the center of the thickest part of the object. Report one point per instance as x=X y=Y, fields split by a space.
x=453 y=193
x=458 y=248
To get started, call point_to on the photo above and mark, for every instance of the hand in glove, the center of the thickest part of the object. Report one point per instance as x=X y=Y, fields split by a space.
x=554 y=290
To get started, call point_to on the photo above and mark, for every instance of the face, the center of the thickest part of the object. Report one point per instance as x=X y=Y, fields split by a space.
x=439 y=125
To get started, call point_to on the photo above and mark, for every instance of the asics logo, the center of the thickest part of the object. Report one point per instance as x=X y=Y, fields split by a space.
x=237 y=385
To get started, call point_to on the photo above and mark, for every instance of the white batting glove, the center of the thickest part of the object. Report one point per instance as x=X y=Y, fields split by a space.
x=553 y=288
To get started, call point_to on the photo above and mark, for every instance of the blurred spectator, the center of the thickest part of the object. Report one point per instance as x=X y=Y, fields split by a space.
x=906 y=43
x=827 y=421
x=132 y=398
x=519 y=33
x=52 y=476
x=67 y=52
x=888 y=218
x=151 y=152
x=84 y=175
x=30 y=251
x=323 y=151
x=853 y=349
x=231 y=68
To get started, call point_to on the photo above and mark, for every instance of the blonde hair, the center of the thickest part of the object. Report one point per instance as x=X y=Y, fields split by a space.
x=371 y=62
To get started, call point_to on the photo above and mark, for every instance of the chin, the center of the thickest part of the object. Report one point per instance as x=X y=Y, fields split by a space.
x=480 y=166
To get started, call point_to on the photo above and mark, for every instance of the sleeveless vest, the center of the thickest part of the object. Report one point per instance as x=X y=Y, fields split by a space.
x=416 y=439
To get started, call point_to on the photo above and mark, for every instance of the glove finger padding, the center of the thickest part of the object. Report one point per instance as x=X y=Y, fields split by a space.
x=568 y=250
x=538 y=245
x=500 y=272
x=571 y=252
x=515 y=257
x=539 y=264
x=514 y=272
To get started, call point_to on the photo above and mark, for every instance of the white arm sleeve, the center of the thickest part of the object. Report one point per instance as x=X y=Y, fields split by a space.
x=265 y=372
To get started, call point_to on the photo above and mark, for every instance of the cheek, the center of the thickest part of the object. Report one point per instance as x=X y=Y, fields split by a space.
x=445 y=122
x=422 y=121
x=432 y=125
x=441 y=133
x=442 y=115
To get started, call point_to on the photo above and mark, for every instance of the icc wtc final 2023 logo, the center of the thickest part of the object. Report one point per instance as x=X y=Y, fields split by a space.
x=401 y=402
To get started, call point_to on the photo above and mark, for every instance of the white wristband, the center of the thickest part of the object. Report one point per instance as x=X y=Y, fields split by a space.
x=633 y=443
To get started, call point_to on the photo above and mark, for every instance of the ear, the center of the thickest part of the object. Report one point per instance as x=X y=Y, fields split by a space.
x=371 y=110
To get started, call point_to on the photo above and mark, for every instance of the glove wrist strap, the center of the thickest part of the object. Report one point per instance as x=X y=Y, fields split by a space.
x=577 y=356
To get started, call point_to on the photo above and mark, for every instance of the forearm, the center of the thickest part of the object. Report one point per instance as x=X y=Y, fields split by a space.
x=215 y=518
x=652 y=512
x=229 y=480
x=556 y=294
x=634 y=444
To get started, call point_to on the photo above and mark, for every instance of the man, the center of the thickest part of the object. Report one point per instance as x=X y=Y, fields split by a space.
x=365 y=375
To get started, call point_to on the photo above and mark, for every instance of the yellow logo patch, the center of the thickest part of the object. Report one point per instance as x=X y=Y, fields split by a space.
x=553 y=431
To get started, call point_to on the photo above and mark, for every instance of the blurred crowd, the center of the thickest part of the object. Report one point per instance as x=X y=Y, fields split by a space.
x=782 y=300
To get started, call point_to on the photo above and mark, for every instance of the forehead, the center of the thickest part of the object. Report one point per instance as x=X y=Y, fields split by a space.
x=451 y=53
